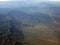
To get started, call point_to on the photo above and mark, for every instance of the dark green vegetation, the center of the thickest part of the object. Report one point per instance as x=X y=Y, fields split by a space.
x=35 y=25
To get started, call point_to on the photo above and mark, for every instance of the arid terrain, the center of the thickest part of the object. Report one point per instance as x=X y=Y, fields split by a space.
x=33 y=25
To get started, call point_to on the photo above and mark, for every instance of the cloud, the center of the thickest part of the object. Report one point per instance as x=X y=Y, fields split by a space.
x=17 y=0
x=54 y=0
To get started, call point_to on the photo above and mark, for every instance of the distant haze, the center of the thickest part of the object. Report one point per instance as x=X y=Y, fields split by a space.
x=21 y=3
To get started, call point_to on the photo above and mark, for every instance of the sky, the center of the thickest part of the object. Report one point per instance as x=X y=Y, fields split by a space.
x=30 y=0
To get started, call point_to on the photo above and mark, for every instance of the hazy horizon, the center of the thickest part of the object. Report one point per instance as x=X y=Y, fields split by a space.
x=24 y=3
